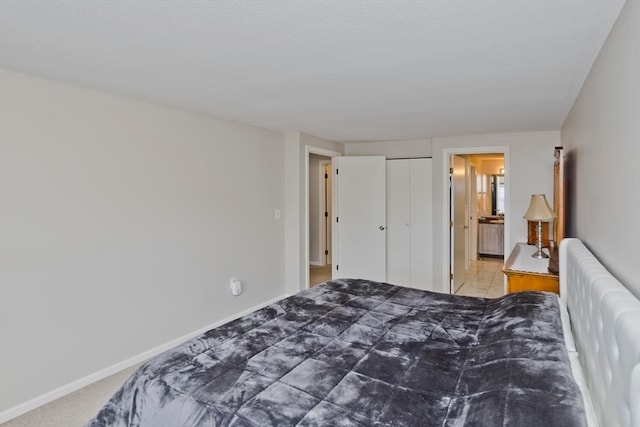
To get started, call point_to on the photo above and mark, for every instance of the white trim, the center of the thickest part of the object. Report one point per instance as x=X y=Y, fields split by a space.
x=62 y=391
x=323 y=224
x=446 y=153
x=309 y=149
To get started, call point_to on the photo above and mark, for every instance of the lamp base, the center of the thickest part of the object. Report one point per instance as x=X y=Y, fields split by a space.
x=539 y=255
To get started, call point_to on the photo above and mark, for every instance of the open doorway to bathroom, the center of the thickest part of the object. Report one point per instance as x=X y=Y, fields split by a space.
x=478 y=213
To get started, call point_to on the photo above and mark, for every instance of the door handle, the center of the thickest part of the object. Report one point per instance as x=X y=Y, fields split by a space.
x=381 y=228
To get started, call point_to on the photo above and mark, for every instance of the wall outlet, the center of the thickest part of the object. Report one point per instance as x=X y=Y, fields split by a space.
x=236 y=286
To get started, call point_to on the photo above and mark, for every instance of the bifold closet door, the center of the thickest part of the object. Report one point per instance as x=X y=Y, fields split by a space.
x=399 y=222
x=421 y=224
x=409 y=223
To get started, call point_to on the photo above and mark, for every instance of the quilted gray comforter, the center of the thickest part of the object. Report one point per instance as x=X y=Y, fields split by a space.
x=361 y=353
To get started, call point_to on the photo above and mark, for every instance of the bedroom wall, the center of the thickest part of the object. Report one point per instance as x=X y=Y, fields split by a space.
x=391 y=149
x=529 y=170
x=602 y=136
x=121 y=224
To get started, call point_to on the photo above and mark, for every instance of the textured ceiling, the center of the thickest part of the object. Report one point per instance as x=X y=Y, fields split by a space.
x=344 y=70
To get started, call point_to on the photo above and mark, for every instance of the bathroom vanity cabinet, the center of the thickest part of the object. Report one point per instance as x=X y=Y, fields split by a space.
x=491 y=237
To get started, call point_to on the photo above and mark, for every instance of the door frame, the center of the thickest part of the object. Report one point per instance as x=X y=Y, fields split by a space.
x=473 y=216
x=446 y=229
x=326 y=229
x=309 y=149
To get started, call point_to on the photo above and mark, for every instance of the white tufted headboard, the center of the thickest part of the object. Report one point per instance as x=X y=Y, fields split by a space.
x=605 y=319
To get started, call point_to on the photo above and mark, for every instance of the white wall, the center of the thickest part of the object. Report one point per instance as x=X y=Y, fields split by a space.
x=602 y=134
x=121 y=225
x=529 y=170
x=410 y=148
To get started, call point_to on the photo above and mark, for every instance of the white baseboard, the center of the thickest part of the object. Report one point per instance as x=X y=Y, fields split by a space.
x=62 y=391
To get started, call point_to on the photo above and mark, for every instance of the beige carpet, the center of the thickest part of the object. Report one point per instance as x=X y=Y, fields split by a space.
x=75 y=409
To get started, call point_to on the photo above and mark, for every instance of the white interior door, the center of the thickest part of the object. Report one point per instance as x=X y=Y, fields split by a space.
x=459 y=228
x=360 y=217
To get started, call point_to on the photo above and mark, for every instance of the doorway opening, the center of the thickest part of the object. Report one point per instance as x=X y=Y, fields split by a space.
x=319 y=191
x=318 y=226
x=477 y=226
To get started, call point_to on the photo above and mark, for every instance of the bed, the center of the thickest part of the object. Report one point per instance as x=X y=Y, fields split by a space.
x=360 y=353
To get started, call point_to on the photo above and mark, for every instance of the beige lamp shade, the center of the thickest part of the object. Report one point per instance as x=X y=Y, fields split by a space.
x=539 y=209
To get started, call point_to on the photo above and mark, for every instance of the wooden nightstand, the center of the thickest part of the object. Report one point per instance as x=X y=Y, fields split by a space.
x=525 y=273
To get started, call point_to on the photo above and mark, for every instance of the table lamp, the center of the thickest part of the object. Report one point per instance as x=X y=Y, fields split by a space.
x=539 y=210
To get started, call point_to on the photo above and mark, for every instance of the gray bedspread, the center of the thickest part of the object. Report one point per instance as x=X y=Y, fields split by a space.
x=361 y=353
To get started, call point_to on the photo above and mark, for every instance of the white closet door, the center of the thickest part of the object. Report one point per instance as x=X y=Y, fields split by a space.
x=421 y=224
x=360 y=235
x=399 y=222
x=409 y=223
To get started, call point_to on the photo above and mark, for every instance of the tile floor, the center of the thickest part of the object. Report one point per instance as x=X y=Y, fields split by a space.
x=484 y=279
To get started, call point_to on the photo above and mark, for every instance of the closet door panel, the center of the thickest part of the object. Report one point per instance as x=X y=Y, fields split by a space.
x=399 y=222
x=409 y=223
x=421 y=237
